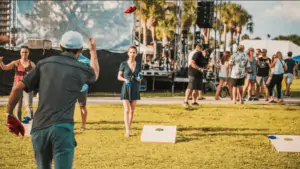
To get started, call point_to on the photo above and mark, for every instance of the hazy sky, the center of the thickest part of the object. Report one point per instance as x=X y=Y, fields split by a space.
x=273 y=17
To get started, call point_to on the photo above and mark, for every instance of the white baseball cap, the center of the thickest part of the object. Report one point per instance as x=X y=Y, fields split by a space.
x=72 y=40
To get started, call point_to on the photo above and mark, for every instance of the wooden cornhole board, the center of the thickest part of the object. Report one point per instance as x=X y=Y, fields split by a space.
x=27 y=128
x=159 y=134
x=286 y=143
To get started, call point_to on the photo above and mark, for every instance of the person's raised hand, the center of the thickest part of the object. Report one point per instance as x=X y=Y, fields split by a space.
x=92 y=44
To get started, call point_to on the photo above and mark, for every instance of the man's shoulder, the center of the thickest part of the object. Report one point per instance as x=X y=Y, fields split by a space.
x=198 y=54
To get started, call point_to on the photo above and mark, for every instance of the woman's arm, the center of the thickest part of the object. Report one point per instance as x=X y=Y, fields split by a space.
x=9 y=66
x=273 y=63
x=32 y=64
x=121 y=78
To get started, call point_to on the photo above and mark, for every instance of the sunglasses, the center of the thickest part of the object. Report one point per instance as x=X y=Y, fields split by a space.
x=24 y=52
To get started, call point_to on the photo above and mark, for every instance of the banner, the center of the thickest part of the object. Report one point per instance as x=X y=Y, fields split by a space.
x=103 y=20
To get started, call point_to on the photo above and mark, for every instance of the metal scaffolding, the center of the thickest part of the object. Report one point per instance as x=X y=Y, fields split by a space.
x=8 y=21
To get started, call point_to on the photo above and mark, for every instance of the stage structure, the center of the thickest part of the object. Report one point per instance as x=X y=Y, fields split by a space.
x=7 y=22
x=162 y=70
x=38 y=21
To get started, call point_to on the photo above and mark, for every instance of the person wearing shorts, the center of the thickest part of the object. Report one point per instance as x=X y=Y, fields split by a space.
x=238 y=63
x=195 y=75
x=83 y=95
x=250 y=79
x=223 y=69
x=52 y=130
x=263 y=71
x=289 y=73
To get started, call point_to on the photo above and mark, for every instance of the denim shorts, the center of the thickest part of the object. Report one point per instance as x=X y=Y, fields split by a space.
x=251 y=76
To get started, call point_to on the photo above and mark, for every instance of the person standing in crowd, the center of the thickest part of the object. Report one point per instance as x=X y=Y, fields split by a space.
x=53 y=125
x=257 y=53
x=22 y=67
x=195 y=75
x=277 y=76
x=190 y=56
x=130 y=74
x=289 y=73
x=83 y=95
x=251 y=76
x=262 y=75
x=223 y=69
x=239 y=63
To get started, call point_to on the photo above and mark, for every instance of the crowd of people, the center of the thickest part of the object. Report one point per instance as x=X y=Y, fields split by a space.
x=248 y=74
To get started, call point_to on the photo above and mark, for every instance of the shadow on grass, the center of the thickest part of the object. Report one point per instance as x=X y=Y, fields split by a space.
x=122 y=122
x=200 y=136
x=219 y=131
x=214 y=129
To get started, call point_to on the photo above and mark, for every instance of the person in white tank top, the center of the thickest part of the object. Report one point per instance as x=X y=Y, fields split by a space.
x=277 y=77
x=223 y=68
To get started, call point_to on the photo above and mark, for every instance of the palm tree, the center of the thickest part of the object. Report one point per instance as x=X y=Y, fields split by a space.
x=244 y=19
x=225 y=18
x=142 y=13
x=218 y=26
x=166 y=26
x=156 y=13
x=257 y=38
x=188 y=14
x=245 y=37
x=240 y=18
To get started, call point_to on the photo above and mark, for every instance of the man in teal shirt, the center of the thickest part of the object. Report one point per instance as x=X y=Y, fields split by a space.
x=83 y=95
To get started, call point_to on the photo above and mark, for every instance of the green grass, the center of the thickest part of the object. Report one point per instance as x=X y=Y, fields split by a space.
x=212 y=136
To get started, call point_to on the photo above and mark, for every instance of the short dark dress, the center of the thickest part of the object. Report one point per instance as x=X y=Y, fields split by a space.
x=130 y=92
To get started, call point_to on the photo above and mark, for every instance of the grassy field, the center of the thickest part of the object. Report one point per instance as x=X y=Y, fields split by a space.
x=212 y=137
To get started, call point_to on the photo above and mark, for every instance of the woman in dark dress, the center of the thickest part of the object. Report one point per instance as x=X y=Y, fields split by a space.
x=129 y=73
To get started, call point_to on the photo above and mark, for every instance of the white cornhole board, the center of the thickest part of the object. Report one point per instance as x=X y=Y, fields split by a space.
x=159 y=134
x=27 y=128
x=286 y=143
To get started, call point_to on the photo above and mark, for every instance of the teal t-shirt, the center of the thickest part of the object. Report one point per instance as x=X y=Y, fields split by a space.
x=84 y=60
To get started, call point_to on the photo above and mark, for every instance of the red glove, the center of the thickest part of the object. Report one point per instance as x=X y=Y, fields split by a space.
x=14 y=125
x=130 y=9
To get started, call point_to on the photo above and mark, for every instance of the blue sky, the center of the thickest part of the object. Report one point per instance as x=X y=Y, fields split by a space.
x=273 y=17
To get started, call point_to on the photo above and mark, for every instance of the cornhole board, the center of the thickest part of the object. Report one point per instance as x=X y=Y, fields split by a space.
x=27 y=128
x=159 y=134
x=286 y=143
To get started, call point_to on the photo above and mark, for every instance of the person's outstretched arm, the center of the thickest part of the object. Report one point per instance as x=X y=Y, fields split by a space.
x=9 y=66
x=94 y=59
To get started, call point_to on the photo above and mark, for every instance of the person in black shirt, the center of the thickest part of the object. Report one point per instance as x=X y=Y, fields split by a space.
x=289 y=73
x=195 y=74
x=53 y=125
x=262 y=75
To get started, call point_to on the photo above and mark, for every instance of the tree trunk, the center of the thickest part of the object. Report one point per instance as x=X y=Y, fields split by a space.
x=144 y=38
x=220 y=39
x=144 y=33
x=164 y=40
x=207 y=36
x=225 y=38
x=194 y=37
x=231 y=41
x=238 y=38
x=153 y=33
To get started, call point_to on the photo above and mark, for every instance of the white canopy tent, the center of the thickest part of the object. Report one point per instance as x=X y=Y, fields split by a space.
x=273 y=46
